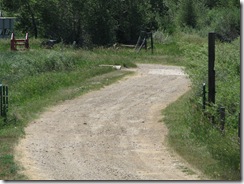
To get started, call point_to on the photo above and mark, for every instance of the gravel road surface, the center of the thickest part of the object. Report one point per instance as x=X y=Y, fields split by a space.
x=114 y=133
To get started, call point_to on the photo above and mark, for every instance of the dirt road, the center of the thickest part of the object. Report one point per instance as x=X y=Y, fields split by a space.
x=111 y=134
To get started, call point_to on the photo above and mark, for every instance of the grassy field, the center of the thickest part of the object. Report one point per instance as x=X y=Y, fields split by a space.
x=43 y=77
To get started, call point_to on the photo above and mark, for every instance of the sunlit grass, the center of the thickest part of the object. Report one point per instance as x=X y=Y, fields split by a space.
x=193 y=137
x=39 y=78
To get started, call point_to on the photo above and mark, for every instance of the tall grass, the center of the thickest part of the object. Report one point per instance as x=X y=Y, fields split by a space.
x=200 y=143
x=192 y=133
x=41 y=77
x=227 y=68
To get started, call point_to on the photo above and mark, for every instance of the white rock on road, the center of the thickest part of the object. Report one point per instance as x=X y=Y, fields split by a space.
x=110 y=134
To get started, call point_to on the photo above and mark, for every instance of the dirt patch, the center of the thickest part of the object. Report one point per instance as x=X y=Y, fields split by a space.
x=110 y=134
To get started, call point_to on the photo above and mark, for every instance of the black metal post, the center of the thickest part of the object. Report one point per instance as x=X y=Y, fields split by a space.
x=6 y=101
x=1 y=102
x=222 y=118
x=204 y=96
x=211 y=71
x=239 y=126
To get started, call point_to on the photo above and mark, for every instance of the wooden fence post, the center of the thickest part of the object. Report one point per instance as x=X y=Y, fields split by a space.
x=12 y=42
x=152 y=44
x=211 y=71
x=145 y=44
x=27 y=45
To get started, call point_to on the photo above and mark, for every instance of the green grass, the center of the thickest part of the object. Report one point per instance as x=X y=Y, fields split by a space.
x=193 y=137
x=191 y=133
x=44 y=77
x=40 y=78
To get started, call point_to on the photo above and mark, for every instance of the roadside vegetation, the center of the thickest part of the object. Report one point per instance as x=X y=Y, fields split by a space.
x=42 y=77
x=86 y=32
x=192 y=133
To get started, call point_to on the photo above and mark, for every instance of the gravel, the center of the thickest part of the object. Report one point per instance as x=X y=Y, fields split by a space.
x=114 y=133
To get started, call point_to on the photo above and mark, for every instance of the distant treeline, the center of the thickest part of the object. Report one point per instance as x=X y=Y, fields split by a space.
x=103 y=22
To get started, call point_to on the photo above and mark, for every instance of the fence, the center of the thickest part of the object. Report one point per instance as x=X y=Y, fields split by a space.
x=142 y=41
x=3 y=100
x=211 y=88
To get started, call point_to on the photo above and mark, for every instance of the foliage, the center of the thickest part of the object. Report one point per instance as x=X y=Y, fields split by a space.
x=121 y=20
x=187 y=14
x=214 y=152
x=102 y=23
x=227 y=67
x=226 y=22
x=204 y=16
x=194 y=138
x=96 y=22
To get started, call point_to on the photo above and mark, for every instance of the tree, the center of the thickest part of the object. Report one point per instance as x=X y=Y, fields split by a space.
x=29 y=7
x=131 y=16
x=100 y=24
x=187 y=14
x=25 y=11
x=102 y=21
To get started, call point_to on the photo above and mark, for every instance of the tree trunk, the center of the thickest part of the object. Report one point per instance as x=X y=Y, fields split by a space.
x=32 y=19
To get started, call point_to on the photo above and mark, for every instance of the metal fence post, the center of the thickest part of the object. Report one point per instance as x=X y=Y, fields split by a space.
x=1 y=103
x=204 y=96
x=5 y=93
x=239 y=126
x=222 y=118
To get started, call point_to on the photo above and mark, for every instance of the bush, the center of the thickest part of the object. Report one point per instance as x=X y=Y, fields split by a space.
x=225 y=22
x=187 y=15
